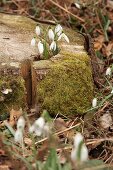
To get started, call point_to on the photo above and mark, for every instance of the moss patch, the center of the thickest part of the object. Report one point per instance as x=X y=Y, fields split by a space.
x=14 y=99
x=68 y=87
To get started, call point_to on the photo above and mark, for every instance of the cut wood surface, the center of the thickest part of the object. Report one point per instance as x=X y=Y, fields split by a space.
x=62 y=84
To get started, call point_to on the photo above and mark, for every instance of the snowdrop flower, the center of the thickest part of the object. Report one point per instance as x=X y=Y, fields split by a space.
x=18 y=136
x=94 y=102
x=40 y=127
x=21 y=123
x=53 y=46
x=33 y=42
x=77 y=5
x=58 y=29
x=40 y=47
x=37 y=30
x=40 y=122
x=51 y=34
x=79 y=151
x=108 y=71
x=63 y=36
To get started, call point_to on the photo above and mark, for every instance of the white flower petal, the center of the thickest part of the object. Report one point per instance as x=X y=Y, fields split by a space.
x=33 y=42
x=18 y=136
x=83 y=152
x=38 y=132
x=40 y=122
x=40 y=47
x=32 y=129
x=94 y=102
x=37 y=30
x=53 y=46
x=58 y=29
x=77 y=139
x=108 y=71
x=63 y=36
x=21 y=123
x=51 y=34
x=77 y=5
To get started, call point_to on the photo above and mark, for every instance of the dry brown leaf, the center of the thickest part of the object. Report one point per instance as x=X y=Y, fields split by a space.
x=106 y=121
x=98 y=42
x=108 y=49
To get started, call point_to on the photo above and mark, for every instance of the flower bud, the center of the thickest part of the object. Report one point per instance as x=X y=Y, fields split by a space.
x=33 y=42
x=108 y=71
x=94 y=102
x=37 y=30
x=53 y=46
x=40 y=47
x=51 y=34
x=18 y=136
x=58 y=29
x=21 y=123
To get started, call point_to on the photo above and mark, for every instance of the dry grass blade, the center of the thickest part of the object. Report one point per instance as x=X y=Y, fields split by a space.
x=59 y=6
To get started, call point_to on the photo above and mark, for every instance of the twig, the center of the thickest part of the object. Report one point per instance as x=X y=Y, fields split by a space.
x=59 y=6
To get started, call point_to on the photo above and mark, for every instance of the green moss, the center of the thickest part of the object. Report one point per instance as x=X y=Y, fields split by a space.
x=16 y=98
x=68 y=87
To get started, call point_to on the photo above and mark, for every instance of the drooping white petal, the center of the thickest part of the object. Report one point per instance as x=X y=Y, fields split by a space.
x=94 y=102
x=83 y=149
x=84 y=153
x=40 y=122
x=33 y=42
x=77 y=139
x=32 y=128
x=21 y=123
x=51 y=34
x=18 y=136
x=39 y=132
x=108 y=71
x=53 y=46
x=37 y=30
x=63 y=36
x=77 y=5
x=40 y=47
x=58 y=29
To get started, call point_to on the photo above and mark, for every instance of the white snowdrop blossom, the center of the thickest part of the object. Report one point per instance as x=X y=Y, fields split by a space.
x=77 y=139
x=33 y=42
x=94 y=102
x=77 y=5
x=21 y=123
x=18 y=136
x=37 y=30
x=58 y=29
x=40 y=47
x=79 y=151
x=6 y=91
x=53 y=46
x=51 y=34
x=63 y=36
x=108 y=71
x=40 y=122
x=40 y=127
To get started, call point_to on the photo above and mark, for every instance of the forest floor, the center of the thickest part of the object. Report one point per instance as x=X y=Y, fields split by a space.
x=91 y=17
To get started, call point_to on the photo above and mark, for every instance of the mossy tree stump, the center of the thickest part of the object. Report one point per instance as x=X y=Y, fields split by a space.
x=62 y=84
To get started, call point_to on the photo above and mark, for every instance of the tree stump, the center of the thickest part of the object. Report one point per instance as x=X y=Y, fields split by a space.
x=62 y=84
